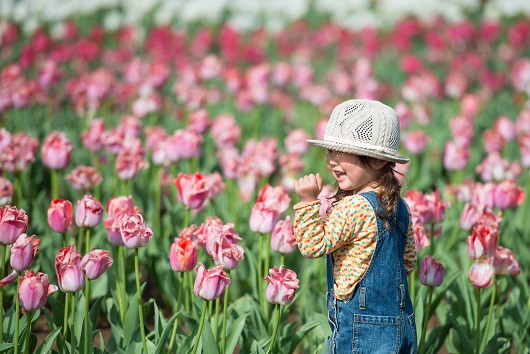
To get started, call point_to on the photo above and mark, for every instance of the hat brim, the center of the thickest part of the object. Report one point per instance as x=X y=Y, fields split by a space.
x=358 y=151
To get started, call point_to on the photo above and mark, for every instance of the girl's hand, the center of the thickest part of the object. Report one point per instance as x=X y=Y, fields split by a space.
x=308 y=187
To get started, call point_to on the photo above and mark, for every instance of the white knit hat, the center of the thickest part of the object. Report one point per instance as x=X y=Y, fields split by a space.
x=363 y=127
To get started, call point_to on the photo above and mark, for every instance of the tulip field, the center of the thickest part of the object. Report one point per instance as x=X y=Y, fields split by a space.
x=146 y=181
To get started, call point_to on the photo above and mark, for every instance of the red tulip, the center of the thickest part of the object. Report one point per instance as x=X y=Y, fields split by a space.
x=13 y=223
x=210 y=283
x=483 y=242
x=60 y=215
x=282 y=285
x=34 y=290
x=183 y=255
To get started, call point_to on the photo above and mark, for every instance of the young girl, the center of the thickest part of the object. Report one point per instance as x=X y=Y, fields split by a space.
x=367 y=236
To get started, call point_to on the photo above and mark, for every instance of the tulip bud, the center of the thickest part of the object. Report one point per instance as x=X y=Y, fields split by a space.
x=134 y=232
x=56 y=150
x=23 y=252
x=282 y=238
x=95 y=263
x=34 y=290
x=60 y=215
x=183 y=255
x=481 y=274
x=210 y=284
x=282 y=285
x=431 y=272
x=70 y=276
x=89 y=212
x=13 y=223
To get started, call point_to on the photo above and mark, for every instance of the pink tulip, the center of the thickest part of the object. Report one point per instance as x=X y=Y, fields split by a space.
x=9 y=279
x=34 y=290
x=134 y=232
x=282 y=285
x=270 y=203
x=23 y=252
x=194 y=233
x=493 y=141
x=60 y=215
x=56 y=150
x=504 y=262
x=183 y=255
x=210 y=283
x=118 y=208
x=213 y=229
x=199 y=121
x=13 y=223
x=282 y=238
x=295 y=142
x=483 y=242
x=416 y=141
x=215 y=183
x=84 y=178
x=421 y=239
x=470 y=215
x=227 y=254
x=481 y=274
x=128 y=164
x=192 y=190
x=6 y=191
x=456 y=156
x=89 y=212
x=70 y=275
x=431 y=272
x=189 y=143
x=524 y=149
x=95 y=263
x=508 y=195
x=505 y=128
x=20 y=153
x=225 y=131
x=91 y=138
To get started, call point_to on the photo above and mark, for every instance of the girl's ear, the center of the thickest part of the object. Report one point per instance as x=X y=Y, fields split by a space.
x=378 y=164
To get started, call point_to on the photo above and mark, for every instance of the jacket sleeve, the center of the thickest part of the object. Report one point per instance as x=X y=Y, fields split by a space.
x=409 y=259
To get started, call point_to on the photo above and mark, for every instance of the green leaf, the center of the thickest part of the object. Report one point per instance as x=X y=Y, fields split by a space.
x=462 y=335
x=131 y=318
x=300 y=334
x=168 y=329
x=48 y=342
x=208 y=340
x=234 y=331
x=436 y=338
x=5 y=347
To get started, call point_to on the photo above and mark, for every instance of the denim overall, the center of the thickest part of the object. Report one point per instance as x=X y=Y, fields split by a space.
x=379 y=317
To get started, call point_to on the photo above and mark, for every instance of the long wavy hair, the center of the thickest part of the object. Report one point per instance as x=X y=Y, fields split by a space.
x=387 y=184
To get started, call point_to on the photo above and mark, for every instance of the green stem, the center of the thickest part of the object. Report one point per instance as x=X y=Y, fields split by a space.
x=192 y=294
x=65 y=317
x=156 y=212
x=490 y=313
x=126 y=188
x=426 y=317
x=225 y=316
x=431 y=249
x=73 y=344
x=216 y=317
x=87 y=302
x=87 y=240
x=65 y=240
x=2 y=274
x=477 y=323
x=54 y=184
x=123 y=282
x=260 y=268
x=176 y=323
x=140 y=304
x=282 y=259
x=526 y=205
x=29 y=317
x=118 y=286
x=17 y=319
x=273 y=339
x=201 y=324
x=266 y=271
x=18 y=189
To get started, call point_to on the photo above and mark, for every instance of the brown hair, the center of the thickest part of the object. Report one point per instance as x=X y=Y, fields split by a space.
x=389 y=188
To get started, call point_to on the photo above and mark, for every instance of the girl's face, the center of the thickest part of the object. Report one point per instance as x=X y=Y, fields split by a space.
x=348 y=170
